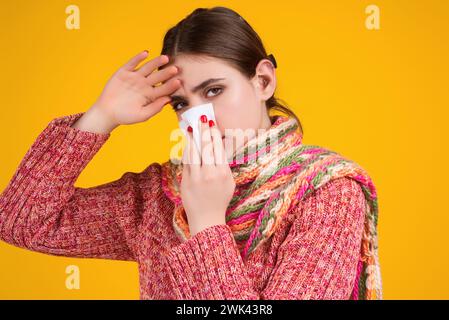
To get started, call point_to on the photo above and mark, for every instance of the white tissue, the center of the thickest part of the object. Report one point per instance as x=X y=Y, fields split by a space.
x=191 y=118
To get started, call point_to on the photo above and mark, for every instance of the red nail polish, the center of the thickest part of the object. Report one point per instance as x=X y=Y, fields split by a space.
x=211 y=123
x=189 y=128
x=203 y=119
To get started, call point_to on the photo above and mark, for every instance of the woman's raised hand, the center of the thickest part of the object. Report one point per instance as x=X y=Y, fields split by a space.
x=131 y=95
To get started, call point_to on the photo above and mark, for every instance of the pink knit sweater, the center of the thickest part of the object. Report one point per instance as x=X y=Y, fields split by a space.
x=312 y=255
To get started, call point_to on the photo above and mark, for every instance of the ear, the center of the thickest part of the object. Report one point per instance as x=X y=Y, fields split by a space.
x=264 y=80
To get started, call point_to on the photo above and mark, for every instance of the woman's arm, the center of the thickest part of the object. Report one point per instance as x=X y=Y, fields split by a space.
x=317 y=260
x=41 y=210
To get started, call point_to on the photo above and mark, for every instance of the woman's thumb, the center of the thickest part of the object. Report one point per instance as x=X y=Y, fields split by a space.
x=156 y=106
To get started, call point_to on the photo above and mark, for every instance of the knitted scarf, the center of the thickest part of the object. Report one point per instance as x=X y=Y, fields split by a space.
x=271 y=178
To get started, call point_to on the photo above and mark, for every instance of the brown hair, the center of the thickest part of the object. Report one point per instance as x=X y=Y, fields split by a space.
x=222 y=33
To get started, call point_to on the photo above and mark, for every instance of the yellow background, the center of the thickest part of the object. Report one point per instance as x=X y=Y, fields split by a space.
x=378 y=97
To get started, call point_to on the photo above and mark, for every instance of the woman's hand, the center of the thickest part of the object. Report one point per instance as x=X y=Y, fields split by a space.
x=207 y=184
x=131 y=95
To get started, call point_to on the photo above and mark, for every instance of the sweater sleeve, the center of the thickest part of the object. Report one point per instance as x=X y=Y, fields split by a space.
x=317 y=260
x=43 y=211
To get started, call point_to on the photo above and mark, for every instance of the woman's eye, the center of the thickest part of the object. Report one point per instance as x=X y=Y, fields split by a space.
x=177 y=107
x=215 y=88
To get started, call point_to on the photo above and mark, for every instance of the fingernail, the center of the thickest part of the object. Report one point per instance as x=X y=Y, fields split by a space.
x=211 y=123
x=189 y=128
x=203 y=119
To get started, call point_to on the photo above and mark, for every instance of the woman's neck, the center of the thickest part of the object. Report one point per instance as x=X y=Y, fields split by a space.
x=266 y=122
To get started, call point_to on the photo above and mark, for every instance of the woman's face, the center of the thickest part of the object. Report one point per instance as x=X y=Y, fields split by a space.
x=239 y=102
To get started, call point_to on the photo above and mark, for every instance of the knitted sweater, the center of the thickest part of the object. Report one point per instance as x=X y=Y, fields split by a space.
x=312 y=255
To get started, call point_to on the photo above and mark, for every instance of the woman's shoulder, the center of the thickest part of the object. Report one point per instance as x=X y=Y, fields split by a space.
x=148 y=187
x=342 y=196
x=150 y=177
x=145 y=183
x=342 y=188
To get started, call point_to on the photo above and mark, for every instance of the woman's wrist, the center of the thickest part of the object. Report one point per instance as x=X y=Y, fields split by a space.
x=196 y=227
x=95 y=120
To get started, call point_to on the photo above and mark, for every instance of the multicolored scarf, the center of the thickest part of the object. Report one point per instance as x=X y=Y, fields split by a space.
x=273 y=171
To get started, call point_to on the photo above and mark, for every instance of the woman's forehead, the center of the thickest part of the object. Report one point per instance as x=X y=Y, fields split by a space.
x=191 y=70
x=198 y=62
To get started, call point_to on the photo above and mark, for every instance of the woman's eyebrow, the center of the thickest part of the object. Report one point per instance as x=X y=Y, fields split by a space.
x=199 y=87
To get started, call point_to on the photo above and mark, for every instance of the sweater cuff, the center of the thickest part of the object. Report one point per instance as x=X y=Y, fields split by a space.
x=66 y=122
x=208 y=266
x=71 y=148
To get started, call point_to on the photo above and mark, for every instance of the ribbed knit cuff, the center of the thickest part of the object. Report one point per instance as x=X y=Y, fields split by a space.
x=208 y=266
x=73 y=147
x=92 y=139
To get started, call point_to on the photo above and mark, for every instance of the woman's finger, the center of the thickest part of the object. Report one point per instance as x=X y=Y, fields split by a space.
x=166 y=88
x=185 y=153
x=219 y=152
x=162 y=75
x=161 y=91
x=185 y=160
x=195 y=157
x=152 y=64
x=149 y=110
x=207 y=149
x=134 y=61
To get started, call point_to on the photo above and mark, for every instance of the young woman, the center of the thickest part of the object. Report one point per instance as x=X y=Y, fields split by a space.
x=278 y=220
